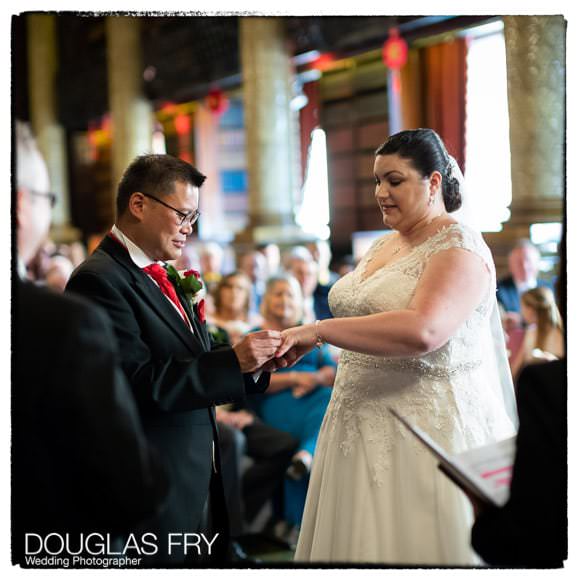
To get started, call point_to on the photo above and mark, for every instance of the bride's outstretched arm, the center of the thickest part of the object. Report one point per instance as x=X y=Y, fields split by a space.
x=451 y=287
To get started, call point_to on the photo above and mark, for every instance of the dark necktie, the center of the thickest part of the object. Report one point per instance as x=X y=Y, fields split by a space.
x=159 y=274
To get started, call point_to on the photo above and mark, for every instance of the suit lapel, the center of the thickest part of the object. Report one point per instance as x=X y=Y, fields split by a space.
x=198 y=327
x=147 y=289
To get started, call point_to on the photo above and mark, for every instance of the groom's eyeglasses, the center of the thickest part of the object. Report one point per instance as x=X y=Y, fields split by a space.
x=191 y=216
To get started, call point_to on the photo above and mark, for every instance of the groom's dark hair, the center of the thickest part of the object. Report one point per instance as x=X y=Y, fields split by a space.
x=155 y=175
x=427 y=153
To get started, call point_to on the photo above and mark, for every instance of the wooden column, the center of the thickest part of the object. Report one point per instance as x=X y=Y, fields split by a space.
x=271 y=132
x=131 y=112
x=42 y=67
x=536 y=95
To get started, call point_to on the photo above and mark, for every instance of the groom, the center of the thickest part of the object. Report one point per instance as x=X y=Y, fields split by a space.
x=176 y=375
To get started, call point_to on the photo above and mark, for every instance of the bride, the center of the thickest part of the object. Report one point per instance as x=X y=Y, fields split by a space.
x=419 y=325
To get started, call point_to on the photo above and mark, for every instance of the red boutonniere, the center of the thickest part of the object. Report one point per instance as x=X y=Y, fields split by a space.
x=192 y=287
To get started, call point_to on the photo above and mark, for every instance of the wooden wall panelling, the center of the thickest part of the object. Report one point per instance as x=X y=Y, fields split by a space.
x=411 y=91
x=354 y=116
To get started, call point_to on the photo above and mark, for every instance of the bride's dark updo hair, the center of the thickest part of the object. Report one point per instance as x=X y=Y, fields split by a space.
x=427 y=153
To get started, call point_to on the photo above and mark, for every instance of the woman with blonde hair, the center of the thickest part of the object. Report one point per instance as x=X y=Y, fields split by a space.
x=544 y=339
x=232 y=307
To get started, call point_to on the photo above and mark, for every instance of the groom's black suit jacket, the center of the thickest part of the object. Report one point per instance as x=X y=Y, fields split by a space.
x=176 y=376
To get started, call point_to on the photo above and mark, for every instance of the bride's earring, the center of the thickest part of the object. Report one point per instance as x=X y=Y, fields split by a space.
x=431 y=200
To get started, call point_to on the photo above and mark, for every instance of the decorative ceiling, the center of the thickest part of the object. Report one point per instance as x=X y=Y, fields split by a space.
x=184 y=56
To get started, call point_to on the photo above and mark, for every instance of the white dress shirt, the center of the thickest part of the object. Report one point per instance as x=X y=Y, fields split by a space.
x=142 y=260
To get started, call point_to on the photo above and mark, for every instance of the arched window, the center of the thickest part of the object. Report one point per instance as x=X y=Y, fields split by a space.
x=314 y=213
x=487 y=162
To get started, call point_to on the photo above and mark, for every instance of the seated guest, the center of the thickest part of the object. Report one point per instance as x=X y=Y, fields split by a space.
x=37 y=266
x=231 y=299
x=58 y=271
x=211 y=256
x=271 y=252
x=295 y=400
x=249 y=489
x=524 y=265
x=543 y=337
x=320 y=251
x=243 y=434
x=76 y=253
x=253 y=264
x=300 y=264
x=321 y=254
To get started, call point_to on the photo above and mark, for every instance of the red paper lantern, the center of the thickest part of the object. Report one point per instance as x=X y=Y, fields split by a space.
x=182 y=124
x=323 y=62
x=217 y=102
x=394 y=50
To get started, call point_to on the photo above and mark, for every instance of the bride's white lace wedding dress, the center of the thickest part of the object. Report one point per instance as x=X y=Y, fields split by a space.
x=375 y=494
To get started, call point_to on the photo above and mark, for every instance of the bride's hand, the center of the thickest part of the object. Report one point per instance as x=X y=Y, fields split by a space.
x=301 y=338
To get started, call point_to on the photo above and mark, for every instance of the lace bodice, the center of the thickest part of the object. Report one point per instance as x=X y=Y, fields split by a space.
x=392 y=288
x=437 y=391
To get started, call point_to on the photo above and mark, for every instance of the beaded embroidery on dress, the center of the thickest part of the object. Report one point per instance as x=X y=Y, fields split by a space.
x=375 y=494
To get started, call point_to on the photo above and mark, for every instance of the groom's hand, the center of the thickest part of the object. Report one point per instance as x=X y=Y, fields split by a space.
x=256 y=349
x=287 y=360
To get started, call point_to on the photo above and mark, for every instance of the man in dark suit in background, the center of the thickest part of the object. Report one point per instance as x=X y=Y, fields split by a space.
x=524 y=265
x=176 y=375
x=80 y=460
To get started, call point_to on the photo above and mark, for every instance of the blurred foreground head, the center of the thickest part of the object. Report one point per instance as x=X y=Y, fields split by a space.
x=33 y=197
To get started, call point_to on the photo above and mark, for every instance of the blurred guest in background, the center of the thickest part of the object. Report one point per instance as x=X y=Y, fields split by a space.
x=271 y=252
x=300 y=264
x=211 y=256
x=242 y=434
x=37 y=265
x=320 y=251
x=232 y=306
x=321 y=254
x=76 y=253
x=544 y=338
x=253 y=264
x=524 y=265
x=255 y=457
x=58 y=271
x=296 y=400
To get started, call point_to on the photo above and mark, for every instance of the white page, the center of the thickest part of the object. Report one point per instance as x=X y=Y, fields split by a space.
x=493 y=464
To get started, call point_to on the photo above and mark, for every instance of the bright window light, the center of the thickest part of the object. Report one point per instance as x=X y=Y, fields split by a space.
x=314 y=213
x=546 y=233
x=487 y=165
